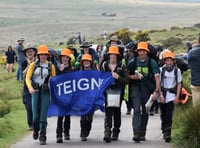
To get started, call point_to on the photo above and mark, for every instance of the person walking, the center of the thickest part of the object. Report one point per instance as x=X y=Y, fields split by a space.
x=194 y=64
x=113 y=111
x=63 y=122
x=86 y=63
x=170 y=78
x=20 y=58
x=30 y=53
x=37 y=79
x=10 y=59
x=86 y=48
x=144 y=81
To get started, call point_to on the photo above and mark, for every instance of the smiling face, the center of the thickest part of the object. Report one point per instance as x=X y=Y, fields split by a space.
x=43 y=57
x=65 y=59
x=87 y=64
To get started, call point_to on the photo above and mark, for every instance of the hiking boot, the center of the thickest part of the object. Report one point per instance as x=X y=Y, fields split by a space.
x=142 y=138
x=67 y=136
x=107 y=135
x=136 y=138
x=42 y=142
x=43 y=139
x=115 y=134
x=167 y=135
x=35 y=135
x=83 y=138
x=167 y=138
x=59 y=140
x=107 y=139
x=114 y=138
x=151 y=113
x=128 y=112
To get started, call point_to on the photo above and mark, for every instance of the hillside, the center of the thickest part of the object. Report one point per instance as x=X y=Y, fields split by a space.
x=57 y=20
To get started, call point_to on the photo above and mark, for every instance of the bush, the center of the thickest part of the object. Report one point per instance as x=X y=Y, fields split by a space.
x=123 y=34
x=4 y=108
x=186 y=133
x=142 y=36
x=172 y=43
x=5 y=127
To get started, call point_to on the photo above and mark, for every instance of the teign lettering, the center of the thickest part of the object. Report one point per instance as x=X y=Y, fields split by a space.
x=82 y=84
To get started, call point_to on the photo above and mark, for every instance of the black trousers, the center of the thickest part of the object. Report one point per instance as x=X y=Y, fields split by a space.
x=166 y=115
x=63 y=126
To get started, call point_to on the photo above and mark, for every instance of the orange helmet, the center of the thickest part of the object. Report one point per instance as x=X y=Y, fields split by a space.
x=142 y=46
x=65 y=52
x=113 y=50
x=86 y=56
x=168 y=54
x=42 y=49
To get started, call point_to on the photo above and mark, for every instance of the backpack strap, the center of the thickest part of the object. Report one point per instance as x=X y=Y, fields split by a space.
x=172 y=90
x=50 y=67
x=37 y=64
x=162 y=76
x=150 y=74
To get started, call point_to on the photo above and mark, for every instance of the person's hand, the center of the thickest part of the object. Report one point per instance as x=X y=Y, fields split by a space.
x=134 y=77
x=176 y=100
x=61 y=67
x=155 y=95
x=162 y=99
x=31 y=91
x=115 y=75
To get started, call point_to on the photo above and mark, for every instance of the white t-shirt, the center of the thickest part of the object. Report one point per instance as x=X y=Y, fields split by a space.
x=169 y=80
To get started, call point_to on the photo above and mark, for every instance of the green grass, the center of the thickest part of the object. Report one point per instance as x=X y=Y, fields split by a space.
x=13 y=125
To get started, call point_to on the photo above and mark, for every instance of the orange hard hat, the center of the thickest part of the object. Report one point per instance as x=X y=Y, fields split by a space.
x=65 y=52
x=168 y=54
x=113 y=50
x=142 y=46
x=86 y=56
x=42 y=49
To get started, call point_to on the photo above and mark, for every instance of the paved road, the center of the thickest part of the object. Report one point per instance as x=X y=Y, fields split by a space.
x=95 y=139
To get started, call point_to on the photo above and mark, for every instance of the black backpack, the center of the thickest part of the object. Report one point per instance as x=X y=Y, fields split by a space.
x=152 y=54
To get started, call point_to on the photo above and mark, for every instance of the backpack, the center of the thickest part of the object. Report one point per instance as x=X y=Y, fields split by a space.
x=152 y=54
x=54 y=58
x=36 y=64
x=184 y=94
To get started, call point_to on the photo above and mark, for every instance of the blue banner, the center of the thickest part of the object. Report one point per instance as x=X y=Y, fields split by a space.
x=78 y=93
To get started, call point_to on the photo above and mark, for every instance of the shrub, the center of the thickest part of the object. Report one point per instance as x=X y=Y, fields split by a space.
x=172 y=43
x=197 y=25
x=123 y=34
x=4 y=108
x=5 y=127
x=142 y=36
x=174 y=28
x=186 y=133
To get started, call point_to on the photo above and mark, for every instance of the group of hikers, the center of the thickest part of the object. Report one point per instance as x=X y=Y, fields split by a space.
x=131 y=65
